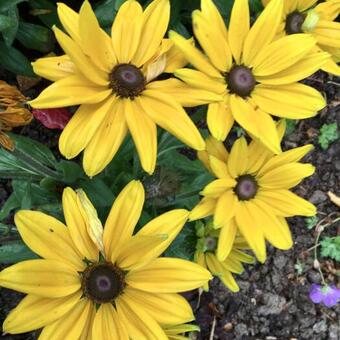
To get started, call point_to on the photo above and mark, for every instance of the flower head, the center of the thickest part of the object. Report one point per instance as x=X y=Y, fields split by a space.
x=318 y=20
x=329 y=295
x=256 y=74
x=100 y=282
x=251 y=192
x=12 y=112
x=114 y=80
x=220 y=257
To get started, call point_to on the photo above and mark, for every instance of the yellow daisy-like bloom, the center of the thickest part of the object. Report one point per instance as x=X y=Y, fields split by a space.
x=113 y=80
x=100 y=283
x=12 y=112
x=300 y=16
x=257 y=75
x=211 y=248
x=175 y=332
x=251 y=193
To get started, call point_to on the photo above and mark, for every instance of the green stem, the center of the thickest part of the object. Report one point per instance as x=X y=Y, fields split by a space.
x=168 y=149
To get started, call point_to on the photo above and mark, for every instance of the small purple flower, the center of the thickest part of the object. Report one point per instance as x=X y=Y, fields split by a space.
x=328 y=294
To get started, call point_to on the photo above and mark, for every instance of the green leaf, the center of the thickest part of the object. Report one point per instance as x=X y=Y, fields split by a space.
x=46 y=11
x=71 y=171
x=106 y=11
x=328 y=134
x=5 y=22
x=11 y=203
x=7 y=4
x=15 y=251
x=13 y=60
x=330 y=247
x=225 y=8
x=35 y=37
x=10 y=33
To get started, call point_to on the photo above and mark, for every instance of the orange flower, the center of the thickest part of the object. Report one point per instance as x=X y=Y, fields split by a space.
x=12 y=112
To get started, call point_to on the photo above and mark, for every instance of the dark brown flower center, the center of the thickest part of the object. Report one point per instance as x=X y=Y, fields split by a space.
x=294 y=22
x=103 y=282
x=240 y=80
x=127 y=81
x=246 y=187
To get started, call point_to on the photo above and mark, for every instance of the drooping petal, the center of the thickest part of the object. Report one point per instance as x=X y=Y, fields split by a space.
x=54 y=68
x=41 y=311
x=84 y=124
x=238 y=158
x=226 y=208
x=106 y=141
x=226 y=240
x=164 y=308
x=72 y=90
x=155 y=23
x=123 y=217
x=99 y=49
x=204 y=208
x=71 y=325
x=293 y=101
x=44 y=278
x=169 y=115
x=77 y=226
x=168 y=275
x=144 y=133
x=48 y=237
x=107 y=324
x=126 y=30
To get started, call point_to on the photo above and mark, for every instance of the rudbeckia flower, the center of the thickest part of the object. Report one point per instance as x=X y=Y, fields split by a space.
x=256 y=74
x=175 y=332
x=302 y=16
x=251 y=193
x=12 y=112
x=211 y=248
x=113 y=79
x=100 y=283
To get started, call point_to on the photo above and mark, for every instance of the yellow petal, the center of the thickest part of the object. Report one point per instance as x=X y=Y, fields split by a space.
x=295 y=47
x=166 y=309
x=331 y=67
x=70 y=21
x=238 y=158
x=229 y=281
x=193 y=55
x=253 y=234
x=144 y=133
x=72 y=90
x=219 y=120
x=83 y=63
x=106 y=141
x=41 y=311
x=263 y=31
x=285 y=176
x=218 y=187
x=44 y=278
x=107 y=324
x=126 y=30
x=47 y=237
x=168 y=275
x=293 y=101
x=225 y=208
x=139 y=323
x=99 y=49
x=174 y=58
x=155 y=23
x=123 y=217
x=285 y=203
x=54 y=68
x=212 y=40
x=204 y=208
x=87 y=330
x=169 y=224
x=238 y=28
x=218 y=167
x=169 y=115
x=77 y=226
x=84 y=124
x=71 y=325
x=226 y=240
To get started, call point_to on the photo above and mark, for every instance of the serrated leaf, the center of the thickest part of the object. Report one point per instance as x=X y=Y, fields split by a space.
x=15 y=251
x=330 y=247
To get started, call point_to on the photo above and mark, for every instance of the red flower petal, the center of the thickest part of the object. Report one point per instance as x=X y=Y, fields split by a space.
x=52 y=118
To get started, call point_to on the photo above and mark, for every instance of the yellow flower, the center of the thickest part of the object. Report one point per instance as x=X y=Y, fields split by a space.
x=100 y=283
x=221 y=257
x=257 y=75
x=12 y=112
x=251 y=193
x=114 y=81
x=300 y=16
x=175 y=332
